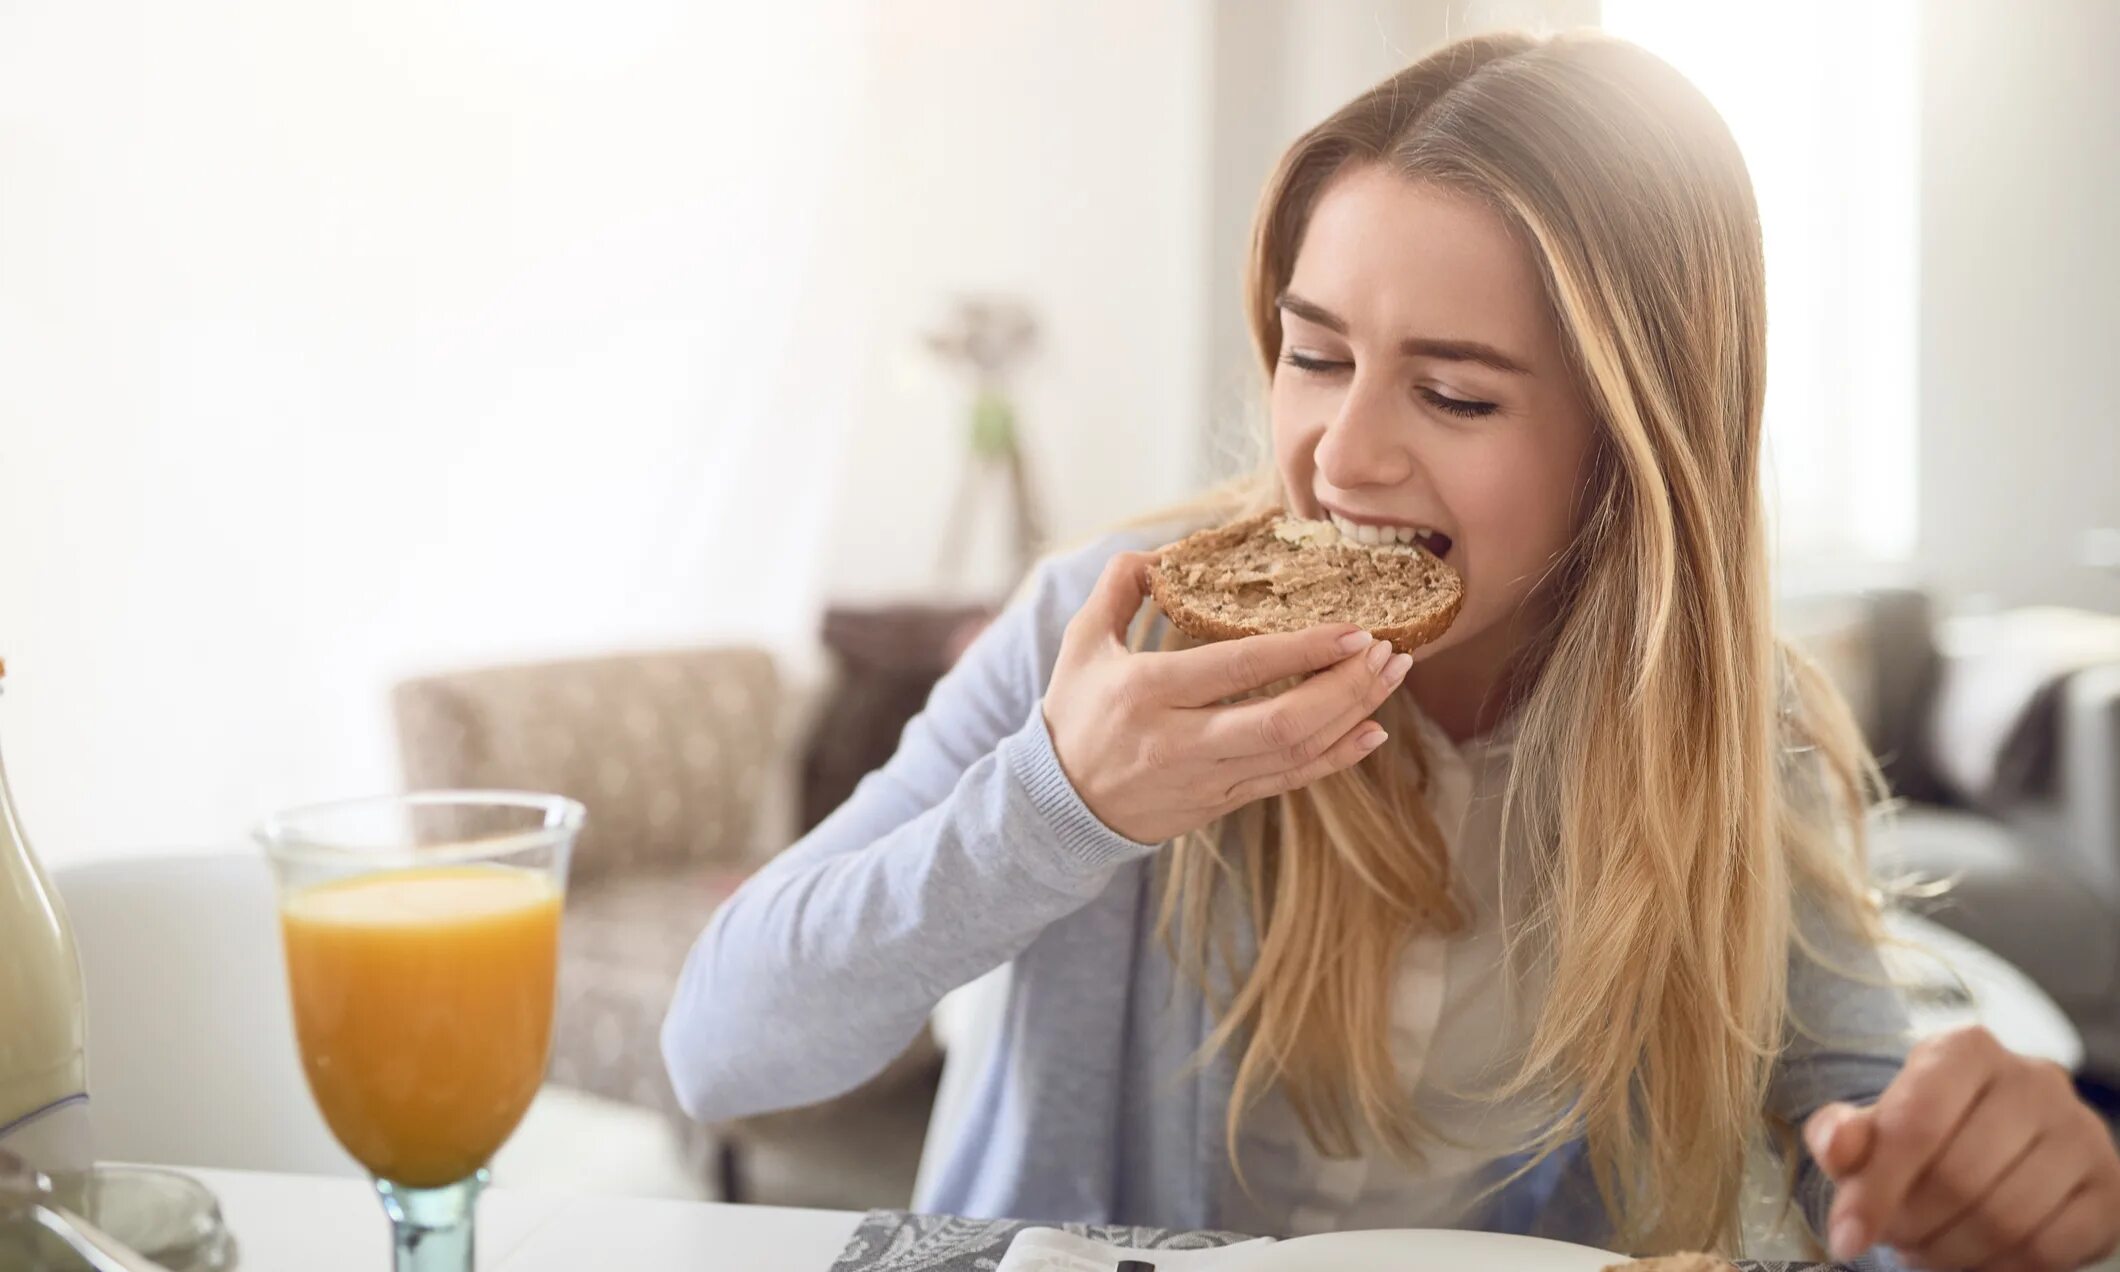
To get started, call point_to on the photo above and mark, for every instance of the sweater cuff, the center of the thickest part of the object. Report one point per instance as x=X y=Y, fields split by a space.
x=1088 y=843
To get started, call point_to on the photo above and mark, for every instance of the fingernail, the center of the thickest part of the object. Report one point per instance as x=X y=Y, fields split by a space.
x=1378 y=653
x=1374 y=740
x=1846 y=1237
x=1397 y=670
x=1355 y=642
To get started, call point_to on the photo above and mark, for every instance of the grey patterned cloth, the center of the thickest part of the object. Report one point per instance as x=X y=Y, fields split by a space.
x=895 y=1241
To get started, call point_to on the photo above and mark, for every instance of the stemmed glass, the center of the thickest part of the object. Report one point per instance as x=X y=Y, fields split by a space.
x=422 y=942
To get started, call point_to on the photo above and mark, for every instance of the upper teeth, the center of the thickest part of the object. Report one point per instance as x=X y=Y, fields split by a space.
x=1362 y=532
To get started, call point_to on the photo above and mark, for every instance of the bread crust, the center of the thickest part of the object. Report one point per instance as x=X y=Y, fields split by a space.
x=1170 y=594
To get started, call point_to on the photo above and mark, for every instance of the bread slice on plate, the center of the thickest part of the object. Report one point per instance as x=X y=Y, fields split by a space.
x=1272 y=573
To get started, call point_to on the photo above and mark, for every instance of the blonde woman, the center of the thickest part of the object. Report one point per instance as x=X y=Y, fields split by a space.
x=1538 y=930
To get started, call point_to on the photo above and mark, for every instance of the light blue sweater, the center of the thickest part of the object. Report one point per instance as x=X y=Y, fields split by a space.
x=969 y=849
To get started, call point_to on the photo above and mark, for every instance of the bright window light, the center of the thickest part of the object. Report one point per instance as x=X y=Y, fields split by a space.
x=1821 y=97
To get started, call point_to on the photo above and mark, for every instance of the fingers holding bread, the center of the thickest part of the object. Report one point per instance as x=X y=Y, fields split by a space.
x=1300 y=724
x=1348 y=751
x=1228 y=669
x=1152 y=742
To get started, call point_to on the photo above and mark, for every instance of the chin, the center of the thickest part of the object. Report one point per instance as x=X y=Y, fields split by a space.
x=1460 y=634
x=1482 y=622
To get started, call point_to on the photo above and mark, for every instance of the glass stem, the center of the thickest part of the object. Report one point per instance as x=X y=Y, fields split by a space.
x=431 y=1227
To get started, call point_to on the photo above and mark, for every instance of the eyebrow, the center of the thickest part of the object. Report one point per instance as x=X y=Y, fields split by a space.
x=1413 y=347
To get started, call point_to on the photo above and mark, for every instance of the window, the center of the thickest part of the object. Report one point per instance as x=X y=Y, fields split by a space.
x=1822 y=99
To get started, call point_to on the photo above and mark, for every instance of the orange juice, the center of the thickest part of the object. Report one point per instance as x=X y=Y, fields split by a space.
x=423 y=1005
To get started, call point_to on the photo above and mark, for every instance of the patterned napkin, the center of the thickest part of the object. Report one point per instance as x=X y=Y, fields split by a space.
x=896 y=1241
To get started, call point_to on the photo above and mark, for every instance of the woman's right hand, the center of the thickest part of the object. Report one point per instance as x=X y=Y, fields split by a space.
x=1151 y=747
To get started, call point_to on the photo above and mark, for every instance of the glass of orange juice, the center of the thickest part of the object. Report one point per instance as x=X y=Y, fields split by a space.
x=422 y=940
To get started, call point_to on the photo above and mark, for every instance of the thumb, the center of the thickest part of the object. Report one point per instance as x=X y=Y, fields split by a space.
x=1840 y=1137
x=1117 y=597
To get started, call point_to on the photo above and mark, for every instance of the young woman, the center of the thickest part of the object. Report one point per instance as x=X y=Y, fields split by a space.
x=1537 y=930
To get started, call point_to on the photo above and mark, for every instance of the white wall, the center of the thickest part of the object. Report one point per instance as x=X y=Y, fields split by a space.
x=2020 y=297
x=1053 y=151
x=344 y=341
x=1101 y=158
x=340 y=344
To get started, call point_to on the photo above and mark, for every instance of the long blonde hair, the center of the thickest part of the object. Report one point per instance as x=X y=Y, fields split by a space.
x=1653 y=793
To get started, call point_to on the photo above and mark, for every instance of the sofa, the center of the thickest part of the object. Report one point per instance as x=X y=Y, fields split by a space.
x=2036 y=881
x=686 y=761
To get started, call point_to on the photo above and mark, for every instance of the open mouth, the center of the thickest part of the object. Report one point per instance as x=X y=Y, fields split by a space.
x=1375 y=533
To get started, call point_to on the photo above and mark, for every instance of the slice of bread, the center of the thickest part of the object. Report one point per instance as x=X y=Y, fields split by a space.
x=1674 y=1263
x=1271 y=573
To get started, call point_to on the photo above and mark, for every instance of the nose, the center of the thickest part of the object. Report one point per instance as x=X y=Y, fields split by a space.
x=1366 y=443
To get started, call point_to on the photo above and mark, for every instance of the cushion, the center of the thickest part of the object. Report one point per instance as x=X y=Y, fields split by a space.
x=1834 y=632
x=2032 y=912
x=667 y=750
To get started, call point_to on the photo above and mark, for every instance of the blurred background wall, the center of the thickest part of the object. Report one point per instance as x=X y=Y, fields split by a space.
x=339 y=345
x=2020 y=301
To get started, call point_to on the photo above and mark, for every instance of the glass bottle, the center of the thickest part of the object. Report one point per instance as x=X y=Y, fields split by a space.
x=43 y=1011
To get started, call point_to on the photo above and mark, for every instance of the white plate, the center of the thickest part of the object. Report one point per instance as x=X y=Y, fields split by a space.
x=1423 y=1250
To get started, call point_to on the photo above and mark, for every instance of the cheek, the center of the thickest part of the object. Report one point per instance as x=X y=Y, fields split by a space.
x=1295 y=438
x=1514 y=503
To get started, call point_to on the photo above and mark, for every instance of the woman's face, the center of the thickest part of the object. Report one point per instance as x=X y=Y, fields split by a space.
x=1422 y=385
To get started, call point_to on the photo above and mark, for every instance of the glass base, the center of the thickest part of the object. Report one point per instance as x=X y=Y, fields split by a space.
x=162 y=1214
x=431 y=1228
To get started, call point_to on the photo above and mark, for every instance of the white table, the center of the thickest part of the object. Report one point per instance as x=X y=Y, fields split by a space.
x=334 y=1224
x=314 y=1223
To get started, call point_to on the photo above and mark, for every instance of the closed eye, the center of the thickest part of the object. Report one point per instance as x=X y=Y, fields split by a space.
x=1316 y=366
x=1458 y=406
x=1467 y=407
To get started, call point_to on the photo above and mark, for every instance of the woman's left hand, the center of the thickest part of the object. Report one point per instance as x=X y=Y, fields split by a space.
x=1974 y=1157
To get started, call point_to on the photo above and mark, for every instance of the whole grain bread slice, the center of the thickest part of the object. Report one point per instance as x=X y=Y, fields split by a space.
x=1272 y=573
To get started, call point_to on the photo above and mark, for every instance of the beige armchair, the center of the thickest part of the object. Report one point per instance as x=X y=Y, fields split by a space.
x=671 y=753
